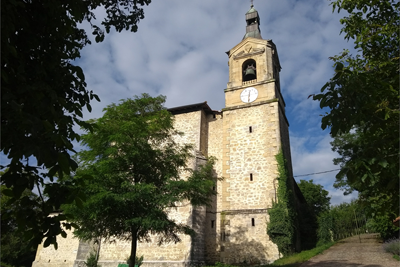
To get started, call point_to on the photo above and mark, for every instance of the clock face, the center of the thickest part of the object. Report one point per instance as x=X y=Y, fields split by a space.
x=249 y=94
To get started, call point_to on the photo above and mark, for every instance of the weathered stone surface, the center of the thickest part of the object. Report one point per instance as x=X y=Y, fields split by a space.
x=64 y=256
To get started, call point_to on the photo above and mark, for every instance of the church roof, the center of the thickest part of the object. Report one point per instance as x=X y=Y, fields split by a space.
x=254 y=34
x=253 y=24
x=191 y=108
x=251 y=10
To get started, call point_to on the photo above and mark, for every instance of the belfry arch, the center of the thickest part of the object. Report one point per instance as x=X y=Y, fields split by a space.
x=249 y=70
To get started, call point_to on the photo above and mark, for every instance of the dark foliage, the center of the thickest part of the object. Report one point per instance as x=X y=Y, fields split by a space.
x=43 y=94
x=363 y=102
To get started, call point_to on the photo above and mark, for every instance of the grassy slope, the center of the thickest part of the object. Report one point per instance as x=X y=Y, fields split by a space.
x=297 y=259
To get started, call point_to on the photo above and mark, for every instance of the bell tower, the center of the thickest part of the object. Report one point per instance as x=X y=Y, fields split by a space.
x=255 y=129
x=253 y=67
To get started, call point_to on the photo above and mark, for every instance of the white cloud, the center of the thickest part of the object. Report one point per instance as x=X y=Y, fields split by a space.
x=179 y=51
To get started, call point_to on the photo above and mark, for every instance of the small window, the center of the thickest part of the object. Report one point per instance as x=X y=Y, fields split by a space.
x=214 y=116
x=251 y=177
x=212 y=223
x=252 y=222
x=213 y=188
x=250 y=129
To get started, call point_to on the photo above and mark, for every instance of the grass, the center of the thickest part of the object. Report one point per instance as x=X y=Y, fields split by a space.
x=298 y=258
x=294 y=260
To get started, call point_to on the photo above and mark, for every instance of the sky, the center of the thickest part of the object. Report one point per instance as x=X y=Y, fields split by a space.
x=179 y=51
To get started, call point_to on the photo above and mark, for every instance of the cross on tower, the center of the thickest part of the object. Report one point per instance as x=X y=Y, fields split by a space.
x=251 y=1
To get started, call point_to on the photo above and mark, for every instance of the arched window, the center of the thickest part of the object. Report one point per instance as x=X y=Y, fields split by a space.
x=249 y=70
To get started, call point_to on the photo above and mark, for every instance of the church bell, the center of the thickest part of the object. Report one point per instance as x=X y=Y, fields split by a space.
x=250 y=73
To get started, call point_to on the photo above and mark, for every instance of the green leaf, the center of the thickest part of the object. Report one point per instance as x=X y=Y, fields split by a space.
x=53 y=170
x=63 y=234
x=79 y=202
x=47 y=125
x=47 y=242
x=383 y=163
x=63 y=161
x=365 y=176
x=7 y=192
x=339 y=66
x=66 y=142
x=79 y=73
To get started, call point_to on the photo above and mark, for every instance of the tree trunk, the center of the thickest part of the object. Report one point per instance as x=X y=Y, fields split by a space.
x=133 y=248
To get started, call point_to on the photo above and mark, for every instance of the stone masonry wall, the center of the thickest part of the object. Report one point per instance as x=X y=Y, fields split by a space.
x=252 y=139
x=84 y=251
x=64 y=256
x=189 y=124
x=212 y=222
x=253 y=154
x=244 y=239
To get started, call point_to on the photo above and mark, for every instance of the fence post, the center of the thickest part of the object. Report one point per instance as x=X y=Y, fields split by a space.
x=359 y=237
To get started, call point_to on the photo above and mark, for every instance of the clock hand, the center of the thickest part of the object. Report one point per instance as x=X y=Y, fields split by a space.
x=248 y=98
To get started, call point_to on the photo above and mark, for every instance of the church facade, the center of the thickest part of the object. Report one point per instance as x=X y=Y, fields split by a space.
x=244 y=137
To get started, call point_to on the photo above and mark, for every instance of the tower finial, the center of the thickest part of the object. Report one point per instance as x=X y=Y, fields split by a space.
x=253 y=23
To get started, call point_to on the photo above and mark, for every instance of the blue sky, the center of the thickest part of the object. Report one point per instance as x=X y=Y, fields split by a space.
x=179 y=51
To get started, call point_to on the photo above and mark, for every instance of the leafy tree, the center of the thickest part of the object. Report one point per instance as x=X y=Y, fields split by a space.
x=308 y=224
x=325 y=226
x=341 y=221
x=383 y=225
x=363 y=97
x=14 y=250
x=315 y=195
x=43 y=94
x=342 y=144
x=137 y=168
x=317 y=203
x=377 y=203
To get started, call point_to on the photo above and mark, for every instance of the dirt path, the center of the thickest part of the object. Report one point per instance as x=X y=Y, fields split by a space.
x=350 y=252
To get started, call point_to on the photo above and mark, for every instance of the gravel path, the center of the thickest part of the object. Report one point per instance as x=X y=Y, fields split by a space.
x=350 y=252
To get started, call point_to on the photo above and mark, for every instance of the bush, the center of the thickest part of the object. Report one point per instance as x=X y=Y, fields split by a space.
x=138 y=260
x=392 y=246
x=383 y=225
x=325 y=226
x=91 y=261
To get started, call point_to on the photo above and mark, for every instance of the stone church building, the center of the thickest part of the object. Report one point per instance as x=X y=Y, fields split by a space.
x=245 y=137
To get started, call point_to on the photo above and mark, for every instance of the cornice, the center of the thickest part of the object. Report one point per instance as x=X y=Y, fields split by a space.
x=248 y=85
x=242 y=54
x=251 y=104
